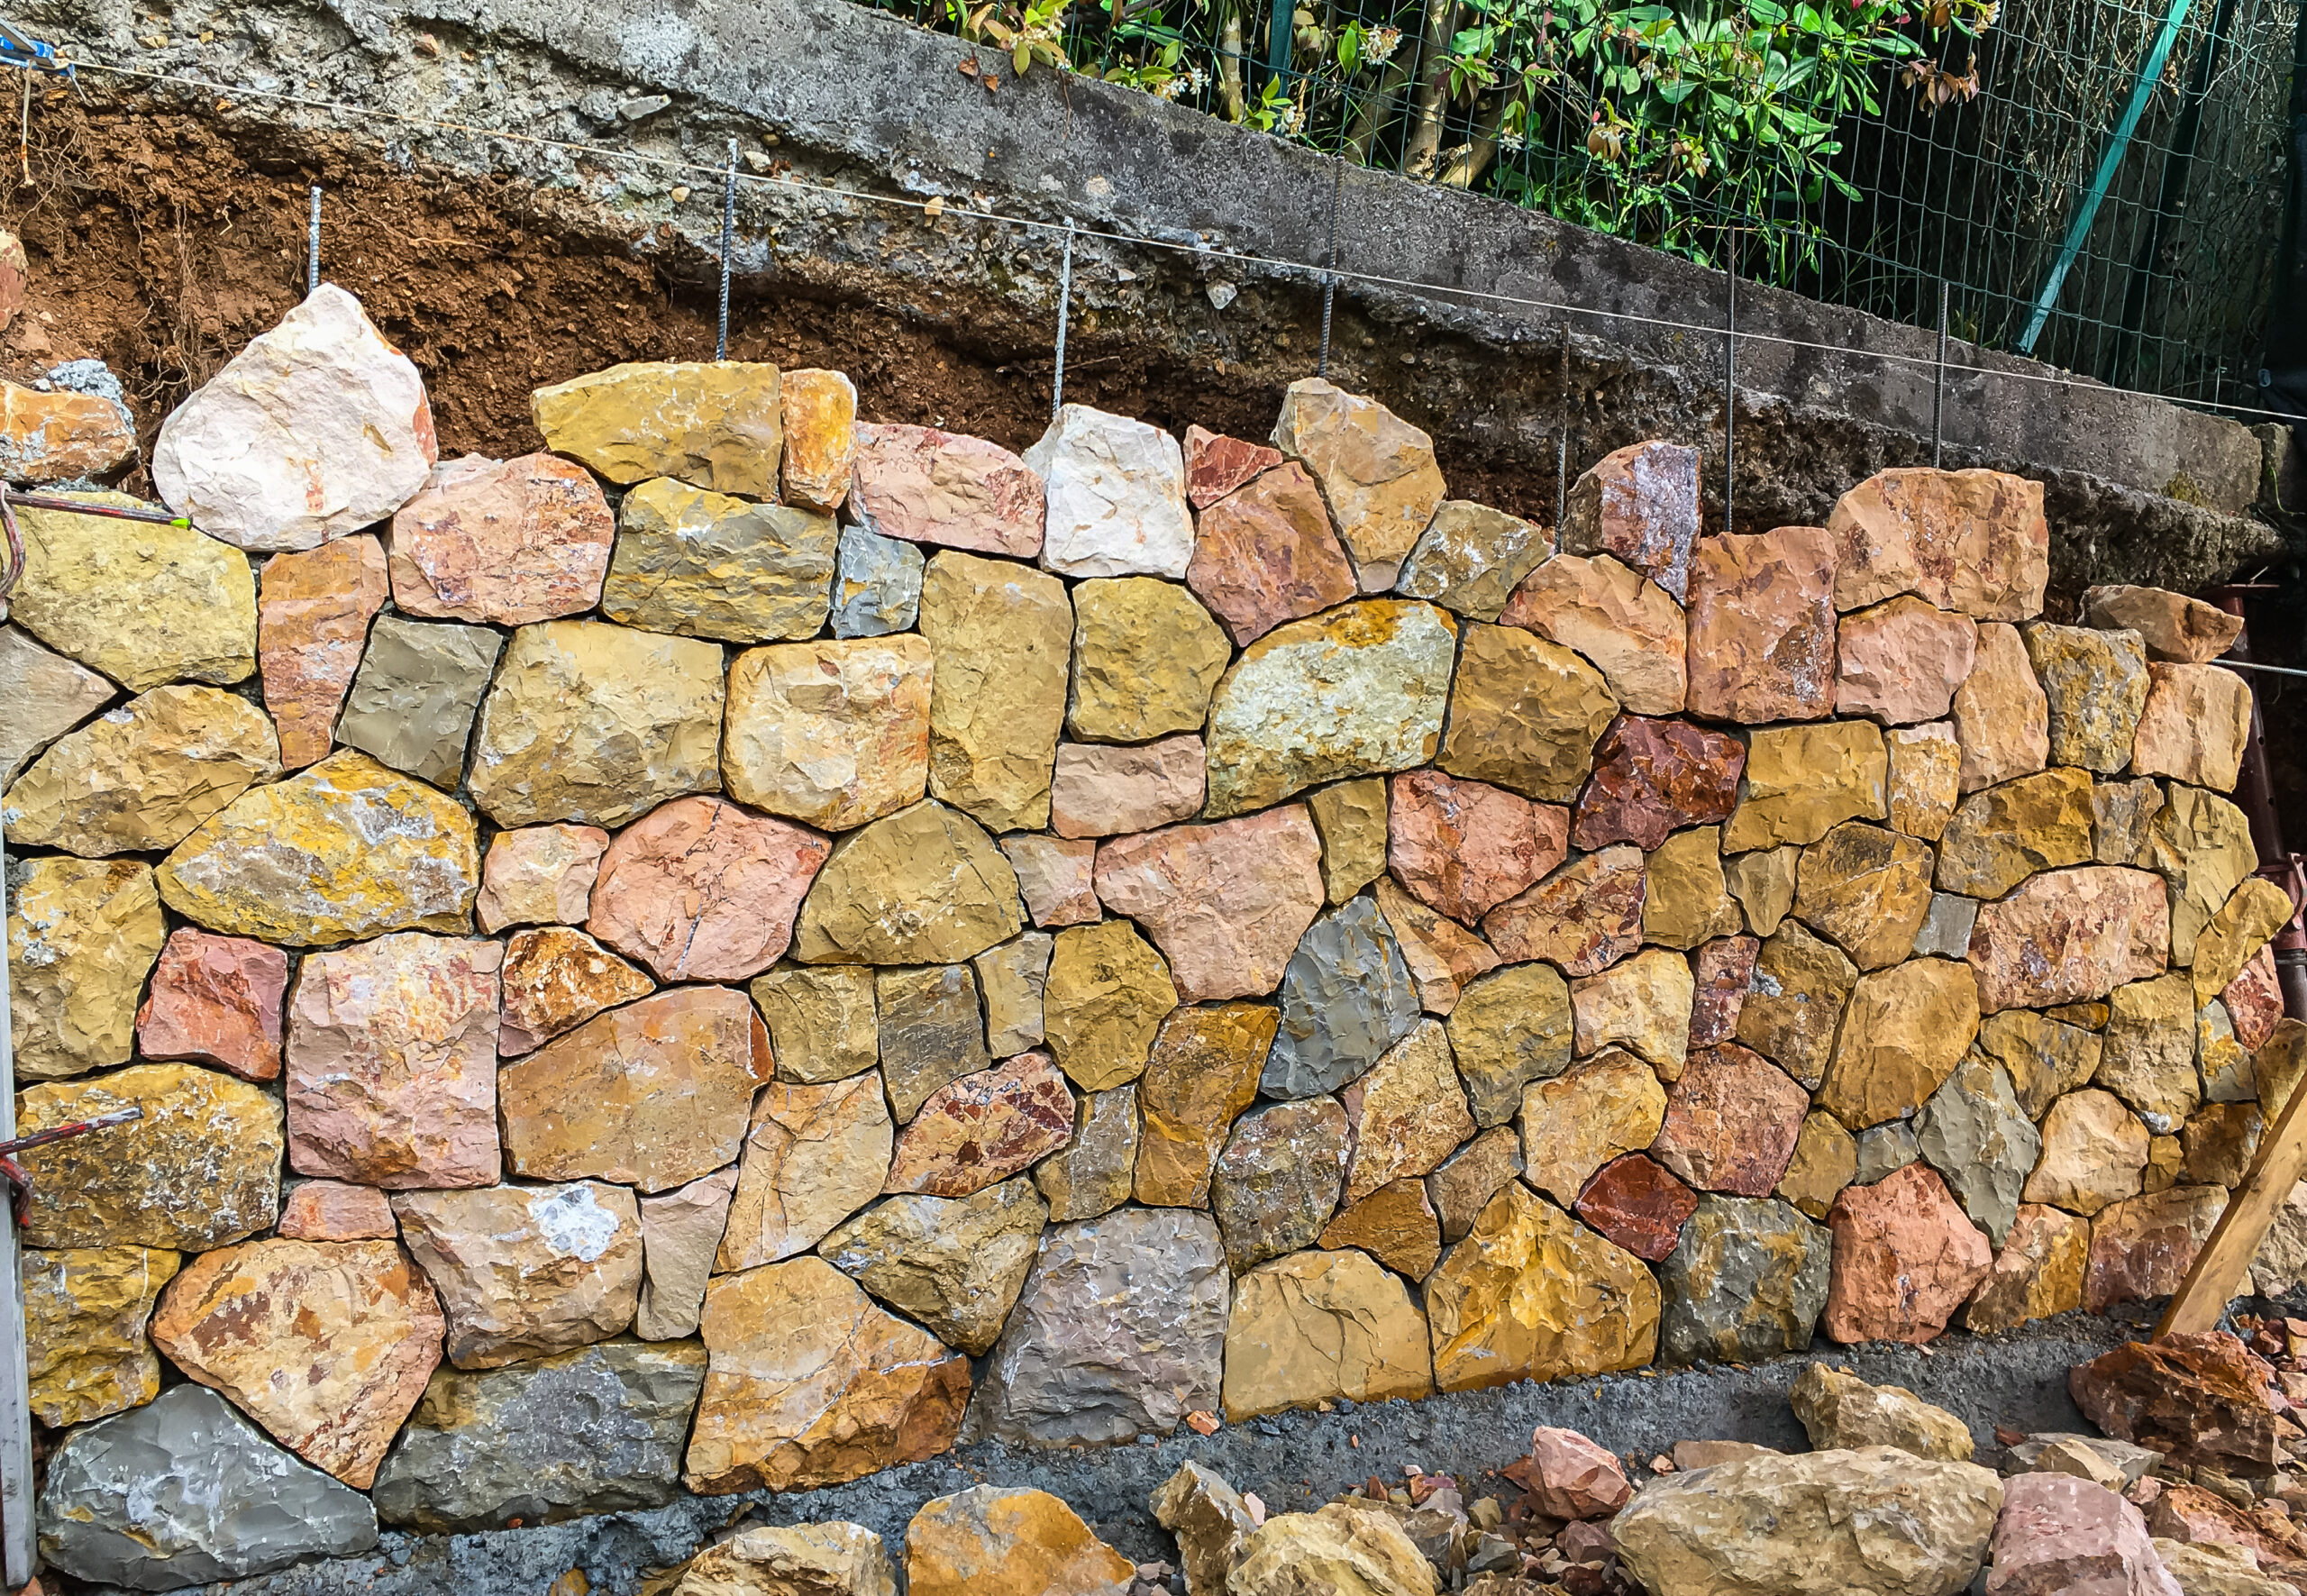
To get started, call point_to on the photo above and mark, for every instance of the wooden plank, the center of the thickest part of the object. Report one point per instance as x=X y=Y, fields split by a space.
x=2217 y=1270
x=16 y=1529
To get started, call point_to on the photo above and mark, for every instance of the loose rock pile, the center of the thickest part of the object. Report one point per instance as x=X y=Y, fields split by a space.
x=731 y=919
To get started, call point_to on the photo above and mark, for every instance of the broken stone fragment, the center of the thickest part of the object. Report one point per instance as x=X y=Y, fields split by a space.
x=1762 y=625
x=82 y=936
x=326 y=1345
x=1906 y=1257
x=1056 y=878
x=813 y=1155
x=2096 y=686
x=2038 y=1273
x=1900 y=663
x=983 y=1127
x=540 y=875
x=313 y=613
x=1747 y=1281
x=930 y=486
x=817 y=414
x=989 y=1538
x=1395 y=1224
x=500 y=542
x=1146 y=660
x=2057 y=1533
x=85 y=1309
x=1801 y=781
x=1972 y=541
x=701 y=564
x=1641 y=505
x=597 y=724
x=2199 y=1399
x=1121 y=1331
x=2069 y=934
x=1842 y=1413
x=318 y=428
x=1357 y=691
x=336 y=1210
x=1227 y=904
x=1347 y=998
x=1731 y=1122
x=1319 y=1326
x=715 y=425
x=809 y=1384
x=922 y=886
x=1925 y=778
x=838 y=1559
x=1348 y=1545
x=1090 y=1175
x=680 y=1232
x=2174 y=628
x=524 y=1271
x=1202 y=1075
x=1869 y=889
x=1000 y=638
x=1627 y=626
x=598 y=1430
x=1531 y=1294
x=1583 y=918
x=956 y=1265
x=53 y=434
x=215 y=999
x=1107 y=994
x=831 y=734
x=1511 y=1026
x=1463 y=847
x=1209 y=1521
x=875 y=584
x=1525 y=714
x=553 y=981
x=1634 y=1202
x=42 y=696
x=1278 y=1180
x=414 y=701
x=1470 y=558
x=1376 y=472
x=2001 y=714
x=1216 y=464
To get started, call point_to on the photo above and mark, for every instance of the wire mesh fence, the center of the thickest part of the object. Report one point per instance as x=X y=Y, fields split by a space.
x=2099 y=183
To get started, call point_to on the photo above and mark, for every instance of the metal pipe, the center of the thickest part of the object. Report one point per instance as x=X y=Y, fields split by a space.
x=313 y=244
x=728 y=229
x=1065 y=316
x=16 y=1526
x=2255 y=795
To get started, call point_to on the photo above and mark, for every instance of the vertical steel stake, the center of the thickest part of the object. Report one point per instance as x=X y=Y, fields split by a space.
x=1729 y=389
x=313 y=244
x=1938 y=385
x=1065 y=316
x=1329 y=263
x=728 y=229
x=1561 y=484
x=15 y=1396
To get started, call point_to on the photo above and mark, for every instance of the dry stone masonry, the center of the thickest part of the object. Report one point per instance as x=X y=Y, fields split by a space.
x=756 y=945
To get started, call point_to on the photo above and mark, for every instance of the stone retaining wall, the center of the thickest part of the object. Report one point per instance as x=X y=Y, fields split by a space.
x=756 y=945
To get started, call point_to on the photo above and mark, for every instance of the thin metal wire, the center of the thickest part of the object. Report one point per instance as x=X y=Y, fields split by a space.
x=1329 y=268
x=1064 y=316
x=728 y=231
x=1729 y=397
x=313 y=244
x=2269 y=669
x=1938 y=385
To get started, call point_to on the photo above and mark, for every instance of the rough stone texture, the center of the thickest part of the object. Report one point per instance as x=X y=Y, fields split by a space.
x=2095 y=684
x=1530 y=1294
x=1001 y=637
x=1090 y=1175
x=1211 y=1522
x=1121 y=1330
x=334 y=1210
x=1525 y=714
x=2173 y=627
x=143 y=775
x=1841 y=1413
x=1351 y=818
x=553 y=981
x=875 y=584
x=1641 y=504
x=1463 y=847
x=1278 y=1181
x=1347 y=998
x=703 y=564
x=1220 y=900
x=295 y=863
x=1202 y=1075
x=1762 y=625
x=1597 y=1111
x=1624 y=623
x=1106 y=996
x=1013 y=979
x=2094 y=1150
x=318 y=428
x=1569 y=1476
x=1146 y=659
x=1345 y=1549
x=822 y=1022
x=1267 y=554
x=1357 y=691
x=85 y=1314
x=227 y=1503
x=1376 y=472
x=392 y=1063
x=813 y=1155
x=956 y=1266
x=1584 y=917
x=503 y=543
x=597 y=724
x=831 y=734
x=2254 y=1000
x=313 y=614
x=1946 y=927
x=718 y=425
x=2124 y=819
x=1906 y=1258
x=1925 y=778
x=1884 y=1149
x=1973 y=1132
x=1906 y=1029
x=2198 y=1399
x=923 y=886
x=2143 y=1246
x=1470 y=558
x=2000 y=837
x=82 y=936
x=1900 y=663
x=596 y=1430
x=1825 y=1160
x=680 y=1233
x=2148 y=1054
x=414 y=701
x=1056 y=878
x=818 y=413
x=2194 y=726
x=1731 y=1122
x=540 y=875
x=1763 y=882
x=146 y=605
x=326 y=1345
x=1747 y=1280
x=701 y=890
x=654 y=1093
x=1100 y=791
x=2038 y=1273
x=925 y=486
x=1319 y=1325
x=53 y=434
x=1868 y=889
x=1216 y=465
x=1653 y=777
x=1509 y=1028
x=1971 y=541
x=1395 y=1224
x=2002 y=717
x=983 y=1127
x=1405 y=1114
x=989 y=1540
x=1443 y=955
x=1469 y=1178
x=1644 y=1004
x=1792 y=1014
x=1801 y=781
x=200 y=1170
x=524 y=1271
x=2258 y=909
x=836 y=1559
x=809 y=1384
x=42 y=696
x=2069 y=934
x=2215 y=1569
x=1634 y=1202
x=1686 y=902
x=2045 y=1056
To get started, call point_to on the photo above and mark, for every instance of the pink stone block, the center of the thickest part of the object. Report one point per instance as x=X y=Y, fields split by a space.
x=215 y=999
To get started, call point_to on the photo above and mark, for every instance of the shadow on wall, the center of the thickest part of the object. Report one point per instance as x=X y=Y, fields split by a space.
x=775 y=943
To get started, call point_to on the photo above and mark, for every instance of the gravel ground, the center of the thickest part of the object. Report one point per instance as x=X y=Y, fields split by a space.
x=1291 y=1461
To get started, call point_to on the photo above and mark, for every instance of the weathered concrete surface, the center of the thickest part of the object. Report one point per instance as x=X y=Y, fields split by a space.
x=2141 y=490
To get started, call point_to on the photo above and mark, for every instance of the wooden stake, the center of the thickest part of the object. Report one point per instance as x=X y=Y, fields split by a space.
x=2212 y=1283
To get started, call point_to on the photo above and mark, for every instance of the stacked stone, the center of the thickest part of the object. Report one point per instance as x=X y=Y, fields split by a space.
x=772 y=942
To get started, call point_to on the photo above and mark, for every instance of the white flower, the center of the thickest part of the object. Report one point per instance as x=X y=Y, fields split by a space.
x=1380 y=47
